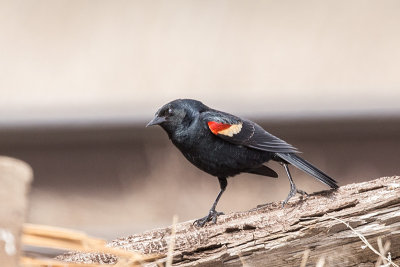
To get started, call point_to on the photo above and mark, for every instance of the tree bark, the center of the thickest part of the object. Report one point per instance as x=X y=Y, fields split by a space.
x=270 y=235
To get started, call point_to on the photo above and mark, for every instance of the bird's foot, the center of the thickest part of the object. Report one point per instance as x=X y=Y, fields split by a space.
x=301 y=192
x=212 y=216
x=292 y=193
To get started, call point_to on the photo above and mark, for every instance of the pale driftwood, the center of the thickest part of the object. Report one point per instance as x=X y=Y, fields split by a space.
x=15 y=178
x=274 y=236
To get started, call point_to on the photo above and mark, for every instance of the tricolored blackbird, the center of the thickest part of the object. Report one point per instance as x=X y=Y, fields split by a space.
x=225 y=145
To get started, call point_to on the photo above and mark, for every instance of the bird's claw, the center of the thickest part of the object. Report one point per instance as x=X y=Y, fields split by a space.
x=301 y=192
x=212 y=216
x=293 y=193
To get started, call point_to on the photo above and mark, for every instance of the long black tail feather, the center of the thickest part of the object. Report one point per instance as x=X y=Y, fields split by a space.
x=308 y=168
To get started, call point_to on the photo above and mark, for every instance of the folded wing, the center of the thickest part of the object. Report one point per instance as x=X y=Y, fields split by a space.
x=244 y=132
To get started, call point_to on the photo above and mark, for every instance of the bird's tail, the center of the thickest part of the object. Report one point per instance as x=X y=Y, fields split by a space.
x=308 y=168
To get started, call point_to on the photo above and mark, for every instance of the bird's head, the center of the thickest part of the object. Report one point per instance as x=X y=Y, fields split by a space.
x=177 y=114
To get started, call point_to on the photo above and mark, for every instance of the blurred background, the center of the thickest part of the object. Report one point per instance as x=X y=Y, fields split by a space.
x=80 y=79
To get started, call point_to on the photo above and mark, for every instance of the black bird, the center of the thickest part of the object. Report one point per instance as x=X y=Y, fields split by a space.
x=224 y=145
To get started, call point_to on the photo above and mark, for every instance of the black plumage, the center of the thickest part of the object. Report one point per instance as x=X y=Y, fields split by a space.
x=225 y=145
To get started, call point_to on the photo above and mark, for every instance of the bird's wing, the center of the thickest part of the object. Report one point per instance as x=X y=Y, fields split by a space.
x=244 y=132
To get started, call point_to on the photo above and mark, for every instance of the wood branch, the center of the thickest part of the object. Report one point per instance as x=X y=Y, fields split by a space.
x=270 y=235
x=15 y=179
x=65 y=239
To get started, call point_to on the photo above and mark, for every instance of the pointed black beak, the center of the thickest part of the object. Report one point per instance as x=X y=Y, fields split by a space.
x=155 y=121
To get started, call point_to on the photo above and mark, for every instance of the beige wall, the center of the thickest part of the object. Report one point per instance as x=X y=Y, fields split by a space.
x=120 y=60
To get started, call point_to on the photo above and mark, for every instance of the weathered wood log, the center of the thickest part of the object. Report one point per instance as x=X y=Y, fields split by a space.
x=270 y=235
x=15 y=179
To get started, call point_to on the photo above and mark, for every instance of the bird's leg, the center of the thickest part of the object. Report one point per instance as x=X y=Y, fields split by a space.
x=293 y=189
x=213 y=214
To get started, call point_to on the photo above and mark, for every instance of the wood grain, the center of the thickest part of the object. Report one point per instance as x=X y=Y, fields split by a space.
x=273 y=236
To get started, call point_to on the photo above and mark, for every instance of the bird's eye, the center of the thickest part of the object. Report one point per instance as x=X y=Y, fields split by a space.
x=170 y=112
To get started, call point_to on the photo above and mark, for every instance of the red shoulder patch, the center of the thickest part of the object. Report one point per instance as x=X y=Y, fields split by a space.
x=216 y=127
x=224 y=129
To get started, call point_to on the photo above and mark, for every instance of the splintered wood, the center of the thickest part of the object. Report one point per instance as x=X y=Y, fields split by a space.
x=65 y=239
x=324 y=228
x=55 y=237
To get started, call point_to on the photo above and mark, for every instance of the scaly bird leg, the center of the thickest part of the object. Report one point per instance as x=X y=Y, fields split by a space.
x=213 y=214
x=293 y=189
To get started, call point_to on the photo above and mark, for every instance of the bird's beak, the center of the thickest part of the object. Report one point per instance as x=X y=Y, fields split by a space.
x=155 y=121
